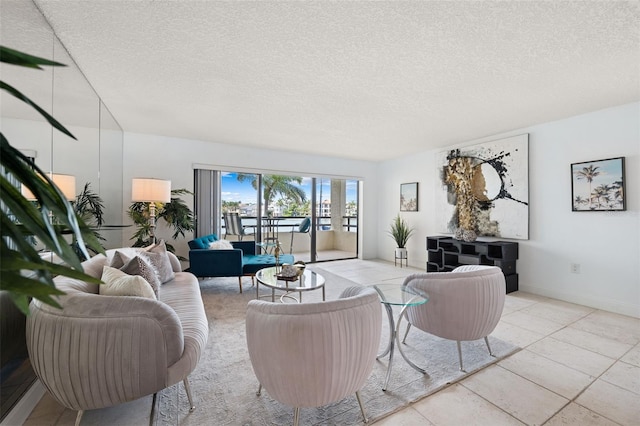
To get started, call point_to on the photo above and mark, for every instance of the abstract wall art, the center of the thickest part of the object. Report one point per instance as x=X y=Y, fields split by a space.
x=598 y=185
x=485 y=189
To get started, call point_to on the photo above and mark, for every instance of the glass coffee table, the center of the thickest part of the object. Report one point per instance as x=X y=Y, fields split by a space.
x=308 y=281
x=398 y=295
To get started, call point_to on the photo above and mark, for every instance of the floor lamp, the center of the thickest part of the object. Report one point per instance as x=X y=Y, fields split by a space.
x=149 y=190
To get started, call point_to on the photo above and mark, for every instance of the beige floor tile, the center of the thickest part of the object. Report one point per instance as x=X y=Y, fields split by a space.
x=46 y=412
x=514 y=302
x=592 y=342
x=556 y=311
x=406 y=417
x=614 y=326
x=532 y=323
x=68 y=418
x=373 y=276
x=572 y=356
x=625 y=375
x=528 y=402
x=574 y=414
x=612 y=402
x=457 y=405
x=339 y=267
x=515 y=335
x=134 y=413
x=530 y=297
x=547 y=373
x=633 y=356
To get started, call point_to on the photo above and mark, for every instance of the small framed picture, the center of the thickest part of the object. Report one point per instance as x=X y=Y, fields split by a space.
x=409 y=197
x=598 y=185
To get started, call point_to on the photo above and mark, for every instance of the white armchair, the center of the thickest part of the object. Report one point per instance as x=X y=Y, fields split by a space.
x=464 y=305
x=314 y=354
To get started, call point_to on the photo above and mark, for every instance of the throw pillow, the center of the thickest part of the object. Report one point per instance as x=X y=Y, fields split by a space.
x=175 y=262
x=221 y=245
x=161 y=264
x=118 y=283
x=141 y=266
x=159 y=258
x=120 y=258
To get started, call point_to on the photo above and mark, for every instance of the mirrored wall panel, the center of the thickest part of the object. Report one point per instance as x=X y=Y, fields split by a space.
x=94 y=160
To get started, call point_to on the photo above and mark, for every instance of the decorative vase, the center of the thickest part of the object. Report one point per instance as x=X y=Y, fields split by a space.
x=401 y=253
x=469 y=236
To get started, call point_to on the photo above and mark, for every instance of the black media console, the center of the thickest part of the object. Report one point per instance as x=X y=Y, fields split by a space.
x=444 y=254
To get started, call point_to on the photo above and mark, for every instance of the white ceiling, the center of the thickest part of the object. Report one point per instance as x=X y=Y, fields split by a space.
x=363 y=80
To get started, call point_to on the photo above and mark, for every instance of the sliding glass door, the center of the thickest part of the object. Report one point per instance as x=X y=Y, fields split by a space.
x=313 y=218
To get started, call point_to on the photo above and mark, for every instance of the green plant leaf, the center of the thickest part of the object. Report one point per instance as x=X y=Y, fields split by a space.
x=400 y=231
x=47 y=219
x=51 y=201
x=14 y=263
x=175 y=213
x=16 y=93
x=14 y=57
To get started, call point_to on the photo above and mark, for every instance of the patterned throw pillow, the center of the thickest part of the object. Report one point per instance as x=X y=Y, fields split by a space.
x=160 y=260
x=220 y=245
x=118 y=283
x=140 y=265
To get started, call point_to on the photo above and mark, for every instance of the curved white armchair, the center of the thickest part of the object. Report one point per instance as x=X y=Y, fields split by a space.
x=314 y=354
x=464 y=305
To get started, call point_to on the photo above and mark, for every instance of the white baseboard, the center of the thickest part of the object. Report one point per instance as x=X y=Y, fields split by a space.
x=615 y=306
x=23 y=408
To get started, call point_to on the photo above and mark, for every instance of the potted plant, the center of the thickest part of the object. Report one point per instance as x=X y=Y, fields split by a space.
x=400 y=232
x=175 y=213
x=89 y=207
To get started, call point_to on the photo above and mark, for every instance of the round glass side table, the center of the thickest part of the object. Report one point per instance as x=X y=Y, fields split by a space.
x=398 y=295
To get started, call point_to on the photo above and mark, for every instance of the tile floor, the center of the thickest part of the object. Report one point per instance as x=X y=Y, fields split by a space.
x=577 y=366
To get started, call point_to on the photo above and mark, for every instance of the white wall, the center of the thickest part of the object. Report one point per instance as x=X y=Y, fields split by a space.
x=174 y=159
x=605 y=244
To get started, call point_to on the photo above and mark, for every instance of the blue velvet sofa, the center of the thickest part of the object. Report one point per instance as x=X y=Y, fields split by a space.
x=239 y=262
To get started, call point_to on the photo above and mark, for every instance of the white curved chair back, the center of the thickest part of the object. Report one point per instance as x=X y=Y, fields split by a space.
x=465 y=304
x=313 y=354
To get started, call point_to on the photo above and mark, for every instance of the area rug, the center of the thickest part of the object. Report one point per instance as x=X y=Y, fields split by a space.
x=224 y=385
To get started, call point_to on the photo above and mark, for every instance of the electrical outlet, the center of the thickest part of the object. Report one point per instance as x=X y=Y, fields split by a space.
x=575 y=268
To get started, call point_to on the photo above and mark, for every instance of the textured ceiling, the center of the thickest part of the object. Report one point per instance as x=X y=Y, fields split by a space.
x=365 y=80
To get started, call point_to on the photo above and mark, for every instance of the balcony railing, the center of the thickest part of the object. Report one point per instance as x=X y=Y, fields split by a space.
x=285 y=223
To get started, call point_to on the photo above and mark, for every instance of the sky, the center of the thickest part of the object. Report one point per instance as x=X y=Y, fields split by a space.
x=232 y=190
x=610 y=171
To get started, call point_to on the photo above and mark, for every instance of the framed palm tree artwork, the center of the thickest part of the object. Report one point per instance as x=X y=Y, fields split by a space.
x=598 y=185
x=409 y=197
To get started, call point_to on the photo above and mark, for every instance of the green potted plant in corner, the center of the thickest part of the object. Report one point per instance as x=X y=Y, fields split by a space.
x=400 y=232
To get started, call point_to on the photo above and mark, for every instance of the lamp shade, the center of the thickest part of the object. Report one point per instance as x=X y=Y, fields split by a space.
x=66 y=184
x=150 y=190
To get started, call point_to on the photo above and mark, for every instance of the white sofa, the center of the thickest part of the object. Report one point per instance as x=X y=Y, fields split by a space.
x=99 y=351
